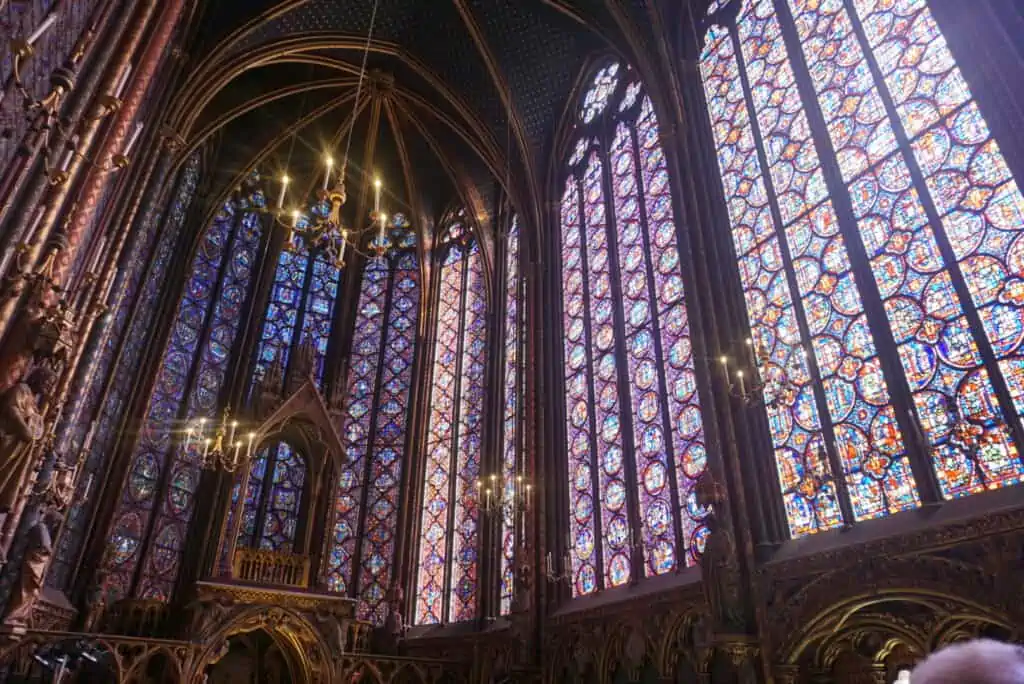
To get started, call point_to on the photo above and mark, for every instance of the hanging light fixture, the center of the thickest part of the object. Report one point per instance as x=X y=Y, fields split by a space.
x=322 y=227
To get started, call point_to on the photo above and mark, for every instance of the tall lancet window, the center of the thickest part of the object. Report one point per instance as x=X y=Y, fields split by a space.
x=447 y=579
x=512 y=466
x=301 y=306
x=634 y=428
x=879 y=237
x=154 y=512
x=97 y=416
x=375 y=426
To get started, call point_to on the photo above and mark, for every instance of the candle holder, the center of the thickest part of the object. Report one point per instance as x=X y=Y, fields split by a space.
x=497 y=498
x=221 y=443
x=557 y=577
x=747 y=385
x=60 y=145
x=322 y=227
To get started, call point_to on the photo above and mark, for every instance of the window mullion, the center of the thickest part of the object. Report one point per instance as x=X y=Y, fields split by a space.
x=300 y=319
x=948 y=255
x=634 y=543
x=595 y=481
x=825 y=417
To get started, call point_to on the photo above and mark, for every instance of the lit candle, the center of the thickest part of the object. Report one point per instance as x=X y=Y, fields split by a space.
x=327 y=174
x=88 y=437
x=122 y=82
x=724 y=360
x=231 y=433
x=284 y=189
x=206 y=447
x=248 y=452
x=344 y=245
x=69 y=155
x=135 y=137
x=188 y=438
x=550 y=569
x=739 y=376
x=42 y=28
x=88 y=486
x=376 y=194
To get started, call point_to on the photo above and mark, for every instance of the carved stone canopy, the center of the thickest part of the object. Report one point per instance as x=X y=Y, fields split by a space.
x=308 y=405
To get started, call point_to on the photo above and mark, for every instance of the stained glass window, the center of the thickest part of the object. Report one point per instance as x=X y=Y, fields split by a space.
x=634 y=428
x=273 y=499
x=512 y=467
x=301 y=299
x=122 y=340
x=933 y=209
x=446 y=585
x=374 y=426
x=153 y=514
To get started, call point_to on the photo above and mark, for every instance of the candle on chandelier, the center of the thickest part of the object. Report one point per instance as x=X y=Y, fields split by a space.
x=248 y=451
x=42 y=28
x=69 y=155
x=376 y=194
x=327 y=174
x=739 y=376
x=284 y=189
x=380 y=236
x=231 y=432
x=344 y=244
x=134 y=139
x=122 y=82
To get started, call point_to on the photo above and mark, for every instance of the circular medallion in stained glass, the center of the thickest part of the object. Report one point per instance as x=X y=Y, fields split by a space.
x=840 y=396
x=654 y=477
x=608 y=398
x=618 y=532
x=610 y=429
x=602 y=312
x=641 y=344
x=615 y=495
x=126 y=538
x=606 y=368
x=648 y=408
x=636 y=285
x=671 y=289
x=975 y=397
x=684 y=386
x=652 y=440
x=646 y=374
x=580 y=412
x=679 y=352
x=618 y=570
x=668 y=262
x=583 y=508
x=629 y=234
x=663 y=557
x=639 y=314
x=437 y=506
x=577 y=357
x=634 y=259
x=599 y=286
x=675 y=321
x=695 y=459
x=871 y=383
x=577 y=386
x=689 y=422
x=584 y=542
x=581 y=477
x=659 y=212
x=586 y=579
x=658 y=518
x=605 y=337
x=612 y=461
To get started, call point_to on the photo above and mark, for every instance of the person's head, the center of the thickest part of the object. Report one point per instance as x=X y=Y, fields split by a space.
x=982 y=661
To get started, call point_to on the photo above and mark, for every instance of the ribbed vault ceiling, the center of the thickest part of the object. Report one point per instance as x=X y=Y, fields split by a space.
x=462 y=93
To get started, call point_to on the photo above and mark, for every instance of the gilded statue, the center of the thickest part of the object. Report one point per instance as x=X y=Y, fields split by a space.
x=21 y=429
